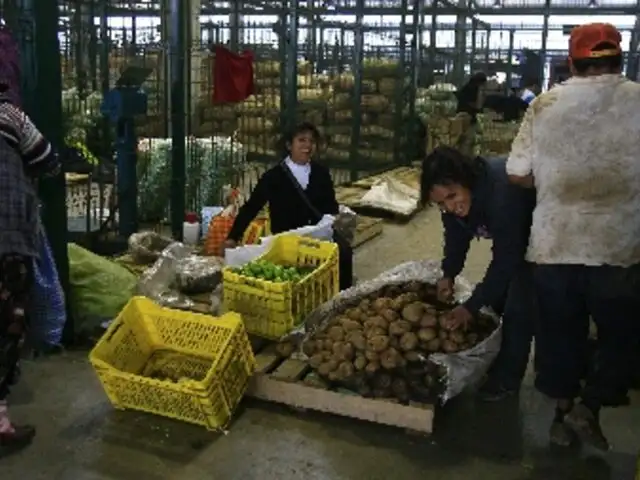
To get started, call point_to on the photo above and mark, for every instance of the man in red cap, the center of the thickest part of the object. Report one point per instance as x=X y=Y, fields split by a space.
x=578 y=146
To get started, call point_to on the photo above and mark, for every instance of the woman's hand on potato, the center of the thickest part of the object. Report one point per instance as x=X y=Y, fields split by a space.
x=458 y=318
x=444 y=289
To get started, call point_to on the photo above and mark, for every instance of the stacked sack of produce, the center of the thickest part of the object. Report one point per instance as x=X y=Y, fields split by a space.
x=383 y=81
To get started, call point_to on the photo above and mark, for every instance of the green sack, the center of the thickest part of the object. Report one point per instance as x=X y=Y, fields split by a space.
x=100 y=288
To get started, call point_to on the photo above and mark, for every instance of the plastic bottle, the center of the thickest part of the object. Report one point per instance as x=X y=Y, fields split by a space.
x=190 y=229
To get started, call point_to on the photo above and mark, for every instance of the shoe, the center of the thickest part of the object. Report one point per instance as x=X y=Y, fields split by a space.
x=19 y=439
x=585 y=424
x=561 y=435
x=492 y=393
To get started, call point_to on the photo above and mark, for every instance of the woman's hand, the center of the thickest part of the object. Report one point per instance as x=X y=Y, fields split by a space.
x=228 y=243
x=444 y=289
x=458 y=318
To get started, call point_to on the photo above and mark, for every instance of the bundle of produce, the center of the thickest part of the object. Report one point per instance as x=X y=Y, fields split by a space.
x=446 y=131
x=389 y=338
x=211 y=163
x=439 y=100
x=494 y=137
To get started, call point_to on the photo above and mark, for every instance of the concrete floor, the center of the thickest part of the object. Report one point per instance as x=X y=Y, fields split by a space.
x=80 y=437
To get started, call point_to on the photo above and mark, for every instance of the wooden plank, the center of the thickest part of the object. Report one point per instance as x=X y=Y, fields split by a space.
x=267 y=359
x=298 y=395
x=290 y=370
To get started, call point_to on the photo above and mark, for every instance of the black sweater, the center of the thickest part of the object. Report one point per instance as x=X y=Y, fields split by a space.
x=287 y=210
x=502 y=212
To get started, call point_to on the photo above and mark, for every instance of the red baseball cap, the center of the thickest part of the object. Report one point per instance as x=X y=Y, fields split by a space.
x=586 y=37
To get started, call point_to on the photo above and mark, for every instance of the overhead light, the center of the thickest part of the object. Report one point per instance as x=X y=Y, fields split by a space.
x=497 y=3
x=593 y=3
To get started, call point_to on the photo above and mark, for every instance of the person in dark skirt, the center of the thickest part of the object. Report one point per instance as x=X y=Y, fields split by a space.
x=299 y=192
x=477 y=201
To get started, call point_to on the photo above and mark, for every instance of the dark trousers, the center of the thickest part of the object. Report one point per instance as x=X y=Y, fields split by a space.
x=345 y=263
x=518 y=326
x=15 y=282
x=567 y=296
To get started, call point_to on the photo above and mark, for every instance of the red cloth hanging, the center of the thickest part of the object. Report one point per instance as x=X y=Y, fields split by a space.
x=232 y=76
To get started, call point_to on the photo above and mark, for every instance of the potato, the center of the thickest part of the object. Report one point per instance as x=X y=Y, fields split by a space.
x=427 y=334
x=376 y=321
x=443 y=334
x=336 y=333
x=399 y=386
x=412 y=356
x=285 y=349
x=360 y=362
x=394 y=342
x=382 y=380
x=389 y=315
x=399 y=327
x=429 y=320
x=334 y=376
x=381 y=393
x=364 y=304
x=411 y=297
x=336 y=348
x=354 y=314
x=434 y=345
x=372 y=367
x=319 y=345
x=449 y=347
x=316 y=360
x=378 y=343
x=472 y=338
x=328 y=345
x=358 y=340
x=390 y=359
x=349 y=325
x=374 y=332
x=408 y=342
x=346 y=370
x=327 y=367
x=413 y=286
x=398 y=303
x=382 y=303
x=413 y=312
x=442 y=321
x=309 y=348
x=457 y=336
x=348 y=352
x=371 y=355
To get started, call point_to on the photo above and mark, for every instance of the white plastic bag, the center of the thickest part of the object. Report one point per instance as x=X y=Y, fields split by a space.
x=239 y=256
x=392 y=196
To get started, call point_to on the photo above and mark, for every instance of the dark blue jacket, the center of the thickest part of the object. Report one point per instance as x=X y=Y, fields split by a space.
x=500 y=211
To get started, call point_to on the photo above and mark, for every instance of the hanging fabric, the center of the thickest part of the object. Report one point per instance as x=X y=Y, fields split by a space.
x=232 y=76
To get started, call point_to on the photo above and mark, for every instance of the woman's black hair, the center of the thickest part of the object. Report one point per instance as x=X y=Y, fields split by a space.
x=287 y=137
x=611 y=63
x=448 y=166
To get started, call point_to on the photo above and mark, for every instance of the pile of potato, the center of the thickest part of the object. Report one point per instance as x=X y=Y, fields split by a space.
x=380 y=346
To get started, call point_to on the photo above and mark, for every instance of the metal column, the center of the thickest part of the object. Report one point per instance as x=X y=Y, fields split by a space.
x=48 y=116
x=178 y=32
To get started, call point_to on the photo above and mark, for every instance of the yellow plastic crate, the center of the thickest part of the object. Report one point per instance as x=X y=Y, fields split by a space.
x=271 y=309
x=210 y=357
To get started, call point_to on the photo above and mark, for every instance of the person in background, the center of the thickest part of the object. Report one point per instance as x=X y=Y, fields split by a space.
x=471 y=95
x=578 y=145
x=477 y=201
x=299 y=192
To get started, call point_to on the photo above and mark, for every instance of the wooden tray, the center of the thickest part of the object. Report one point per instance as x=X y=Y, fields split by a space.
x=290 y=382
